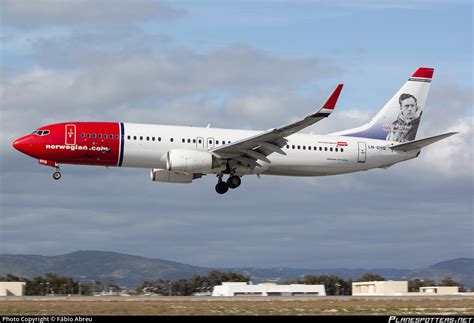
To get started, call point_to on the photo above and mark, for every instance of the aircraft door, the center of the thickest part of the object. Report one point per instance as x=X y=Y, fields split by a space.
x=362 y=152
x=200 y=142
x=70 y=137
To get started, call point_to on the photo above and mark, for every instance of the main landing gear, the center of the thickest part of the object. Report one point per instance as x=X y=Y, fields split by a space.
x=232 y=182
x=57 y=174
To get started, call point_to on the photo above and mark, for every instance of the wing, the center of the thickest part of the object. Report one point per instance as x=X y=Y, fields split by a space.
x=249 y=150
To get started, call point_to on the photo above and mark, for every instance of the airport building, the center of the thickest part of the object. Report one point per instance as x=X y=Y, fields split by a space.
x=379 y=288
x=12 y=288
x=267 y=289
x=400 y=288
x=439 y=290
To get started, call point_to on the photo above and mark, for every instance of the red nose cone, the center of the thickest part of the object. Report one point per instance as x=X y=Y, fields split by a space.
x=23 y=144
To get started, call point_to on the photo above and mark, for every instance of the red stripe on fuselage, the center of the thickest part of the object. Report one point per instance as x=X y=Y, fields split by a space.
x=96 y=143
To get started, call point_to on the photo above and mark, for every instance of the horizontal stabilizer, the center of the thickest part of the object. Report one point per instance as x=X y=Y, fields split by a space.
x=418 y=144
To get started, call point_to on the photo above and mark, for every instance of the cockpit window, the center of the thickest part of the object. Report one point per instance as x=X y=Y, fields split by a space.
x=41 y=132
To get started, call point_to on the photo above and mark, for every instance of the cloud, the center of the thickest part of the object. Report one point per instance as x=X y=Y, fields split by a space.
x=45 y=13
x=157 y=87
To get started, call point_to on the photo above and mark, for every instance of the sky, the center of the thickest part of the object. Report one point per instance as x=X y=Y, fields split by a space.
x=238 y=64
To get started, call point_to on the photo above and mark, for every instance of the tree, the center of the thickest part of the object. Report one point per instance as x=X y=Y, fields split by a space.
x=51 y=284
x=12 y=278
x=217 y=278
x=370 y=277
x=187 y=287
x=146 y=287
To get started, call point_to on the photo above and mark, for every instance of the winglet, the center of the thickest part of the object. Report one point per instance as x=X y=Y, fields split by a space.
x=331 y=102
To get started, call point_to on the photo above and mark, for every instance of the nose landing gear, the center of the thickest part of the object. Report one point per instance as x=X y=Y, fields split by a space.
x=57 y=174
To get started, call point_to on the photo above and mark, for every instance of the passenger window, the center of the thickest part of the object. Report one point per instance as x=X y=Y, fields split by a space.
x=342 y=150
x=93 y=135
x=315 y=148
x=152 y=138
x=320 y=148
x=141 y=137
x=183 y=140
x=330 y=149
x=99 y=135
x=159 y=138
x=194 y=141
x=304 y=147
x=217 y=142
x=309 y=147
x=128 y=137
x=171 y=139
x=299 y=147
x=105 y=136
x=200 y=141
x=88 y=135
x=189 y=141
x=134 y=137
x=336 y=149
x=293 y=146
x=147 y=138
x=325 y=148
x=111 y=136
x=82 y=135
x=287 y=146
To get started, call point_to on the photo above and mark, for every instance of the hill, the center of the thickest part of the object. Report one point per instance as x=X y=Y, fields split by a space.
x=128 y=270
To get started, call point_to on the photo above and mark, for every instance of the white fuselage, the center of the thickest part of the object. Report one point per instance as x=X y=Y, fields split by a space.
x=146 y=146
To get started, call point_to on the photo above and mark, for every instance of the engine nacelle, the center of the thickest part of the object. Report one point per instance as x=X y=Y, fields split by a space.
x=191 y=161
x=163 y=175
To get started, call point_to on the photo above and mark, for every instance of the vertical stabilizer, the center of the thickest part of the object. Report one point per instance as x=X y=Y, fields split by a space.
x=400 y=117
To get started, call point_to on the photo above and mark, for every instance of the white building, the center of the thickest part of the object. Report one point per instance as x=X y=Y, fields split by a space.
x=268 y=289
x=439 y=290
x=379 y=288
x=12 y=288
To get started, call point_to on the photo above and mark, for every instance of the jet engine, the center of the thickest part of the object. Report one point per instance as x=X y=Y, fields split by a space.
x=191 y=161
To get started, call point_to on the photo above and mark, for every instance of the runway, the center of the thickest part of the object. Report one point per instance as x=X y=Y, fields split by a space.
x=323 y=305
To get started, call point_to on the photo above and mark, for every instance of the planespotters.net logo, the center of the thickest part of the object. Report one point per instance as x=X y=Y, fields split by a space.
x=76 y=147
x=447 y=319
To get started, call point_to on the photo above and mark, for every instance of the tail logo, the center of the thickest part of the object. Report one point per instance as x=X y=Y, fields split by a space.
x=405 y=127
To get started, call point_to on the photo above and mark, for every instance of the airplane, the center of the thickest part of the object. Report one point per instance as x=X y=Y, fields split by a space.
x=178 y=154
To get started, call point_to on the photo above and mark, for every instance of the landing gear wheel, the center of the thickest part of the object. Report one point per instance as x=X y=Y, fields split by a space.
x=56 y=175
x=222 y=187
x=234 y=181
